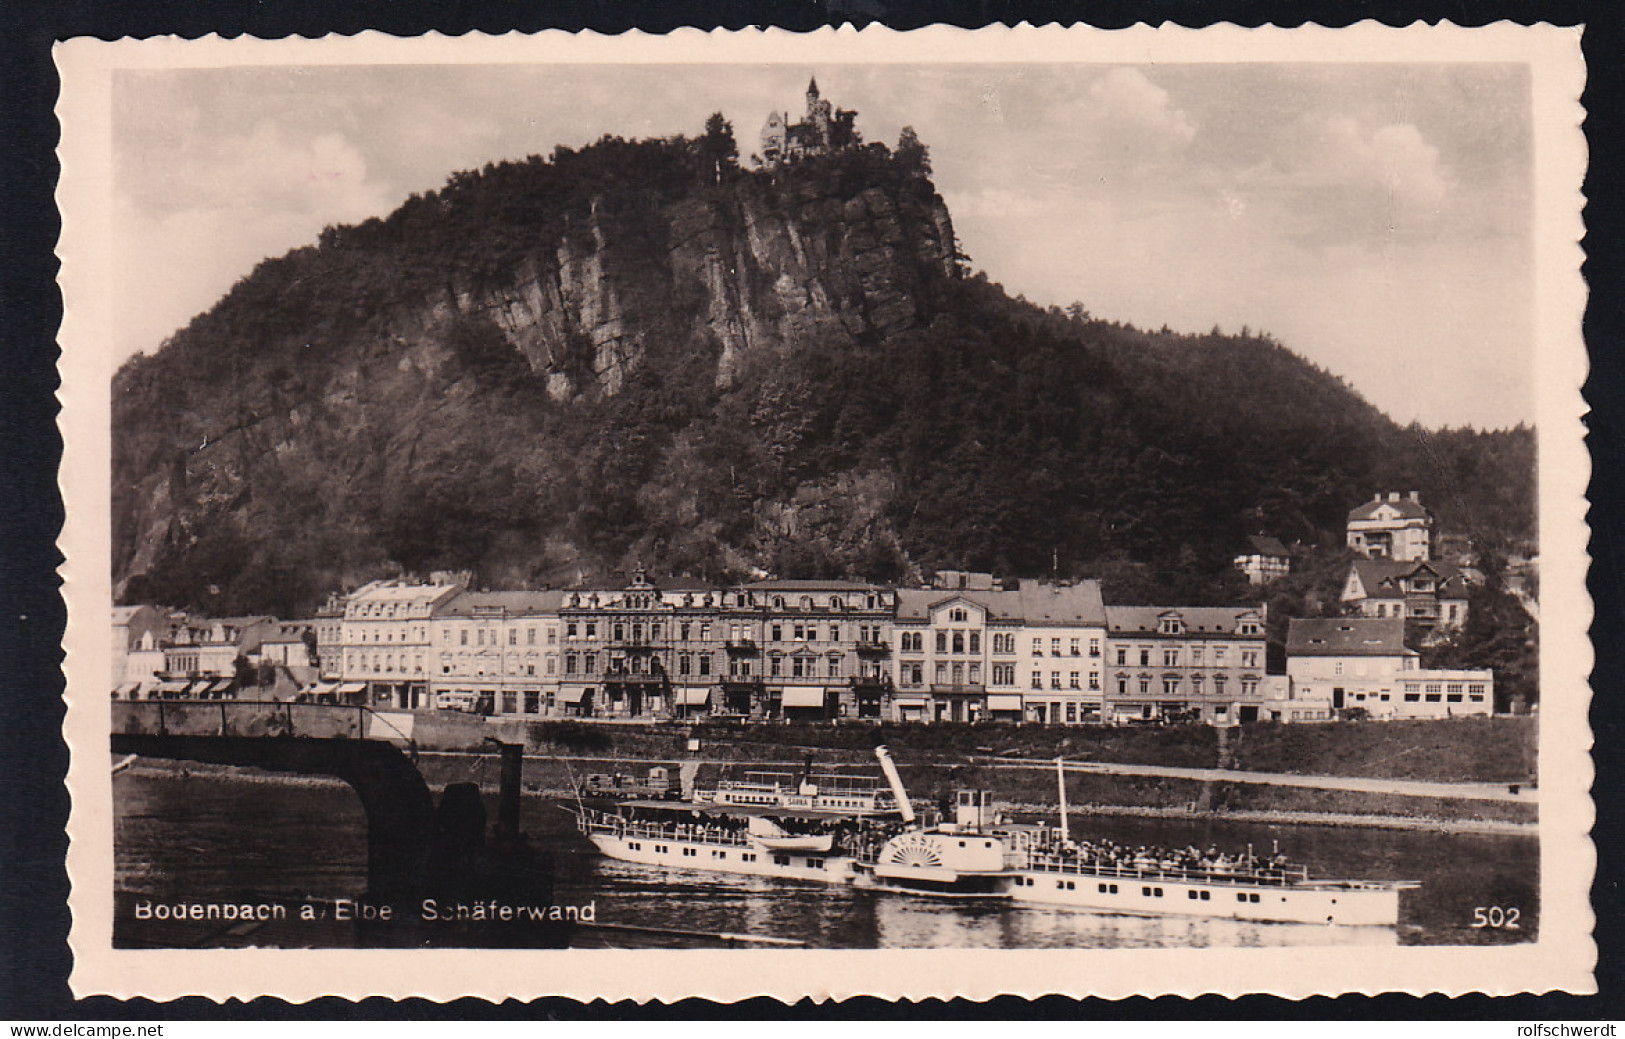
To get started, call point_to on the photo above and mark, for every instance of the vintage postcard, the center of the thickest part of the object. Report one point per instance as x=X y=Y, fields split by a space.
x=950 y=513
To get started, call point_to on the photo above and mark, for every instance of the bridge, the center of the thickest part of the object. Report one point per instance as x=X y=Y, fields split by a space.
x=372 y=751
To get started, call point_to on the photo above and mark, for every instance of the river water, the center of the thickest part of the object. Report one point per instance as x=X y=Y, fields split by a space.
x=239 y=838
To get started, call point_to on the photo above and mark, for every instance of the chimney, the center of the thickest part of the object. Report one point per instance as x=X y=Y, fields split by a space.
x=1393 y=495
x=1416 y=496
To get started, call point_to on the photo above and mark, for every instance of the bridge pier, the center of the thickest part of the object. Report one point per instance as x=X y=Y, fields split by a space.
x=399 y=807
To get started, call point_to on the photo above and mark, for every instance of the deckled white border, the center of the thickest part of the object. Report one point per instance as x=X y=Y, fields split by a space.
x=1563 y=957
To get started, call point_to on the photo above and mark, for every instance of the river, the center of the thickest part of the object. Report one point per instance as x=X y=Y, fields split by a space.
x=239 y=838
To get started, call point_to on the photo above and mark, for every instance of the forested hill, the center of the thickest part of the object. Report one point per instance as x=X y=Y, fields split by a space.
x=640 y=352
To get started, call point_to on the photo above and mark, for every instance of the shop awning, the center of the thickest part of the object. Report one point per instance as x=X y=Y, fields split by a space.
x=572 y=693
x=323 y=688
x=172 y=687
x=219 y=685
x=1004 y=702
x=804 y=697
x=909 y=701
x=198 y=687
x=124 y=691
x=352 y=687
x=693 y=696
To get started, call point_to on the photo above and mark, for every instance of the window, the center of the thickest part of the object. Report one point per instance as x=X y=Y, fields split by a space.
x=462 y=637
x=806 y=602
x=976 y=674
x=1218 y=656
x=1249 y=687
x=942 y=674
x=1055 y=680
x=1145 y=656
x=684 y=664
x=942 y=642
x=1122 y=656
x=533 y=701
x=1122 y=686
x=1094 y=647
x=959 y=673
x=589 y=662
x=1038 y=647
x=1249 y=658
x=530 y=636
x=1038 y=679
x=1071 y=710
x=1073 y=684
x=1249 y=627
x=1170 y=687
x=1094 y=681
x=775 y=666
x=513 y=636
x=1170 y=626
x=975 y=642
x=1196 y=685
x=959 y=642
x=592 y=629
x=917 y=674
x=798 y=667
x=799 y=632
x=1218 y=685
x=510 y=703
x=777 y=633
x=834 y=667
x=1170 y=658
x=705 y=665
x=1077 y=647
x=957 y=616
x=1055 y=647
x=570 y=661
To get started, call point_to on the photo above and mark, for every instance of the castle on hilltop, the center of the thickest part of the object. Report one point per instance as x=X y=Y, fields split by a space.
x=822 y=130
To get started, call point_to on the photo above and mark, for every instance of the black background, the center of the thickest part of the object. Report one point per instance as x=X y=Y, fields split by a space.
x=34 y=920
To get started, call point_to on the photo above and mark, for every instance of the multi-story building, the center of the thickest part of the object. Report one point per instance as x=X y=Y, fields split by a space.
x=200 y=655
x=1394 y=527
x=137 y=630
x=387 y=641
x=286 y=644
x=1343 y=664
x=329 y=623
x=1265 y=560
x=808 y=649
x=1434 y=595
x=641 y=652
x=941 y=640
x=496 y=653
x=1062 y=651
x=1171 y=662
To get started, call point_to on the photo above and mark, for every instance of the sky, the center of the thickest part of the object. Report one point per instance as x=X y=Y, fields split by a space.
x=1375 y=218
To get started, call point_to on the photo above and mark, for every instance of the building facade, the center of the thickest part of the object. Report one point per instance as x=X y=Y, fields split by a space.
x=1434 y=595
x=1336 y=666
x=1265 y=560
x=1392 y=527
x=496 y=653
x=387 y=642
x=1171 y=662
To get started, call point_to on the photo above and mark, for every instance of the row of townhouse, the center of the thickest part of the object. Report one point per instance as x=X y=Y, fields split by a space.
x=965 y=650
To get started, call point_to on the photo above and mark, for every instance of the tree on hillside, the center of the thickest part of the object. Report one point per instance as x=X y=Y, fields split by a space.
x=718 y=152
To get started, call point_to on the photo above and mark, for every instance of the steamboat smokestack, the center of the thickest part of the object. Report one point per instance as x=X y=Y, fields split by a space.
x=890 y=768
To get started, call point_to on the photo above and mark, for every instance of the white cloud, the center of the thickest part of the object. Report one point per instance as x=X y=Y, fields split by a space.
x=1138 y=112
x=187 y=234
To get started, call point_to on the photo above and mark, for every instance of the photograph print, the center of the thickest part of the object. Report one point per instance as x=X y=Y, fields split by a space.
x=945 y=503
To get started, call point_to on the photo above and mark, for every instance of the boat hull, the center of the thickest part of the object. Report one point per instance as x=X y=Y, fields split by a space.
x=1352 y=905
x=753 y=861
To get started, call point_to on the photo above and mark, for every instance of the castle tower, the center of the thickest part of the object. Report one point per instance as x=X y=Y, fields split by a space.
x=818 y=111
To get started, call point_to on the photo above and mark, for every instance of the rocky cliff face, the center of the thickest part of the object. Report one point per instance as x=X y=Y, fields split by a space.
x=765 y=264
x=338 y=377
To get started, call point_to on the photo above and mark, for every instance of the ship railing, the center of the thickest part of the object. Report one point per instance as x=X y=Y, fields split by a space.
x=1272 y=876
x=672 y=832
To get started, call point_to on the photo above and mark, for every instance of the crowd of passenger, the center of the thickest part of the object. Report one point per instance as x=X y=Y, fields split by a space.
x=1104 y=853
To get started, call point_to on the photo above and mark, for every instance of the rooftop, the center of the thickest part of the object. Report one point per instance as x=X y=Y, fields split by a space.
x=1346 y=637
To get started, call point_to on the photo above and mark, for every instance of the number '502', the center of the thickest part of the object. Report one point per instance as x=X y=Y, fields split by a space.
x=1495 y=917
